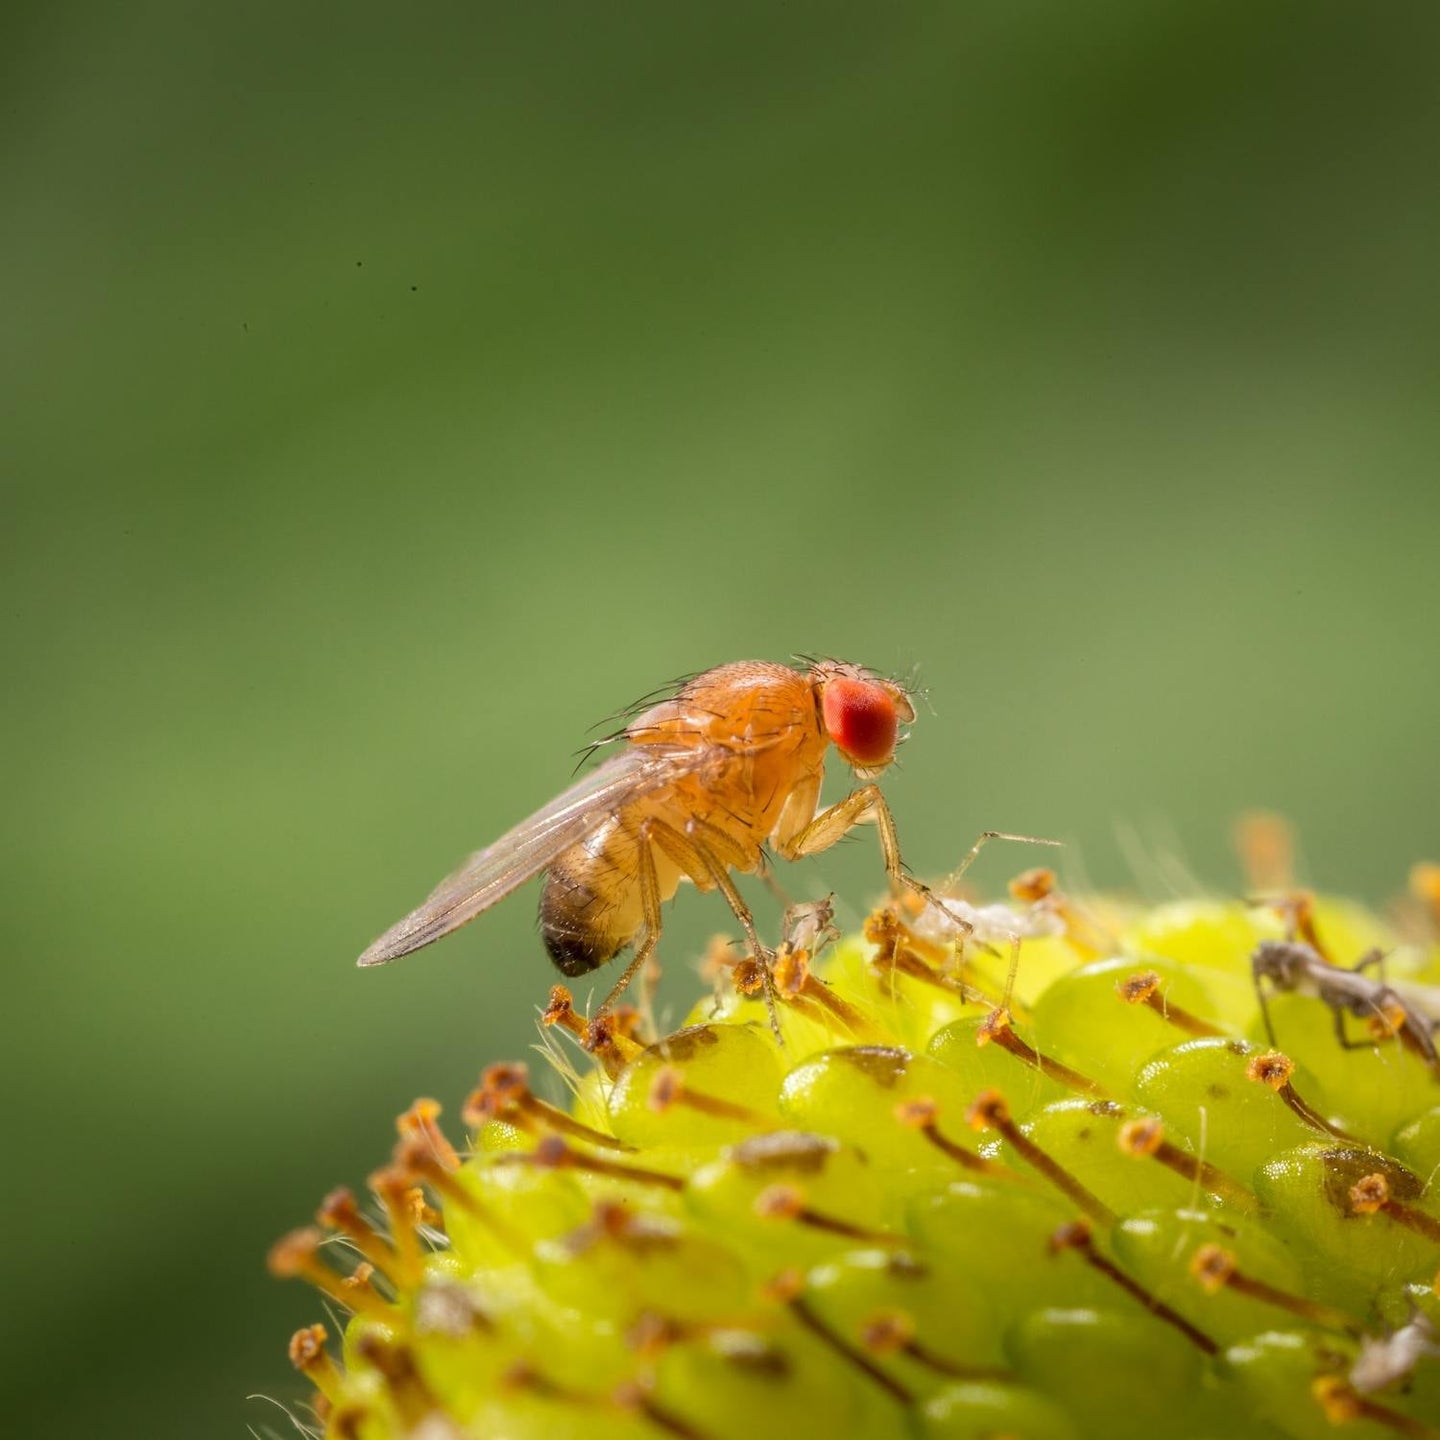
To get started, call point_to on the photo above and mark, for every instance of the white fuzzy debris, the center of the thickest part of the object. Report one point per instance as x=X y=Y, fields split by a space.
x=1382 y=1362
x=996 y=924
x=444 y=1307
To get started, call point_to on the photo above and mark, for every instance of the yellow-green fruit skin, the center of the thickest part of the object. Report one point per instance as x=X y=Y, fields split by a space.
x=902 y=1216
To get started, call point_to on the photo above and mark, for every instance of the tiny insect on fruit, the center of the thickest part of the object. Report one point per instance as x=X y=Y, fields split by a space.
x=1295 y=967
x=704 y=781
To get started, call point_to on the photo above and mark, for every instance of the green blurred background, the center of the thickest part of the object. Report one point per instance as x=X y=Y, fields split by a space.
x=391 y=393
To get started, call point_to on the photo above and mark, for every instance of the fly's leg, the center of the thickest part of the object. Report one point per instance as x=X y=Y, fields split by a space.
x=760 y=859
x=832 y=824
x=767 y=878
x=1264 y=1008
x=829 y=825
x=698 y=860
x=650 y=911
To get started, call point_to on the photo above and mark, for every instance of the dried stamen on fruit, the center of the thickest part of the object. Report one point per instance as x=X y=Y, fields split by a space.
x=1038 y=886
x=892 y=1332
x=391 y=1183
x=1143 y=988
x=394 y=1362
x=422 y=1119
x=1343 y=1404
x=1146 y=1137
x=1274 y=1069
x=350 y=1420
x=310 y=1357
x=1216 y=1269
x=297 y=1256
x=633 y=1396
x=504 y=1094
x=552 y=1153
x=797 y=984
x=921 y=1113
x=900 y=951
x=598 y=1038
x=1371 y=1195
x=360 y=1277
x=669 y=1088
x=996 y=1029
x=991 y=1112
x=339 y=1211
x=788 y=1202
x=1297 y=909
x=1425 y=887
x=1266 y=846
x=1076 y=1235
x=847 y=1352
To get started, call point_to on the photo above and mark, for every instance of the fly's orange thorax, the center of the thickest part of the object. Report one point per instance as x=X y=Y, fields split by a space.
x=763 y=723
x=765 y=747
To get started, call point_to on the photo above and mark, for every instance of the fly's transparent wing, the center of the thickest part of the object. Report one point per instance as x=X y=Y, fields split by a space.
x=490 y=875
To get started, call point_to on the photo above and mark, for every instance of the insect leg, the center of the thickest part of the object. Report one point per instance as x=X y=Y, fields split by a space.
x=701 y=864
x=1414 y=1031
x=706 y=869
x=829 y=825
x=955 y=876
x=732 y=853
x=1342 y=1037
x=723 y=848
x=650 y=910
x=1264 y=1007
x=1374 y=957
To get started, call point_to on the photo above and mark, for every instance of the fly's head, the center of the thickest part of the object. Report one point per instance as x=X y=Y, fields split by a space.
x=861 y=714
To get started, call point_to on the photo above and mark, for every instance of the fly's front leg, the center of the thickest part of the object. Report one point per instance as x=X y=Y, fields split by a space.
x=830 y=825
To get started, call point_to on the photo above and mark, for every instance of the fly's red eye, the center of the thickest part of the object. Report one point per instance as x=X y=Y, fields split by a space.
x=861 y=720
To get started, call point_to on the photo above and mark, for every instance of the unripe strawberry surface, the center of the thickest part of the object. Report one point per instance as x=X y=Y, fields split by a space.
x=906 y=1203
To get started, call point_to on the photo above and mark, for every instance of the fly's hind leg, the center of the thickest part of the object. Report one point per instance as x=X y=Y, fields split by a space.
x=650 y=913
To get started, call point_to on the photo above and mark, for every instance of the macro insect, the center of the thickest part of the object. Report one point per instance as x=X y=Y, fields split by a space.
x=705 y=780
x=1299 y=968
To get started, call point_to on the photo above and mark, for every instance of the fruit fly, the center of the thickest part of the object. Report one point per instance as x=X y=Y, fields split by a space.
x=704 y=782
x=1299 y=968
